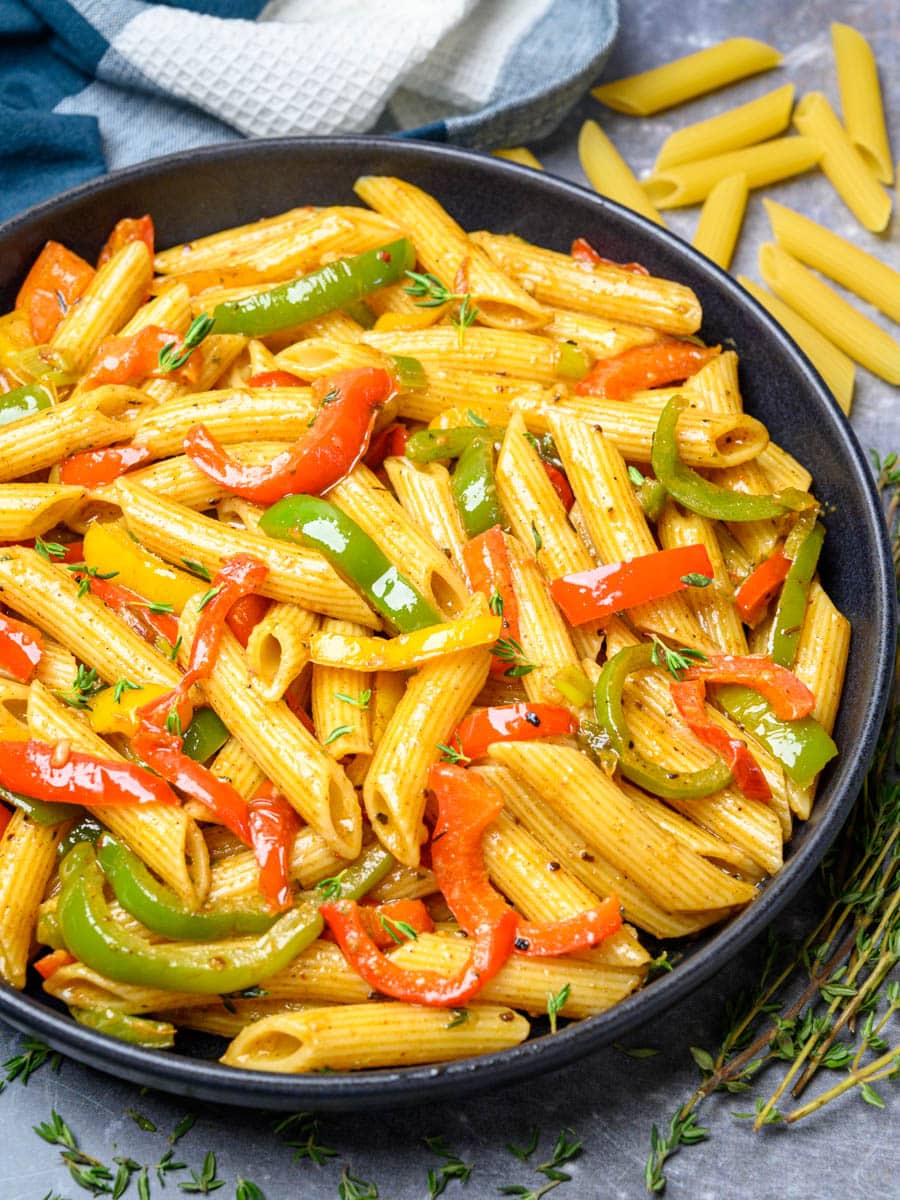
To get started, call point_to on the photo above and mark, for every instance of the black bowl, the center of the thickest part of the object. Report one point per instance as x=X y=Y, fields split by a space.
x=202 y=191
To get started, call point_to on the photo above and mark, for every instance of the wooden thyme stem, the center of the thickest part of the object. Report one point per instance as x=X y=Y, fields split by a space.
x=887 y=1064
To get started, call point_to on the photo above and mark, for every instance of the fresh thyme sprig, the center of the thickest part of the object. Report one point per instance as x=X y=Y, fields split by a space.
x=172 y=356
x=85 y=686
x=508 y=650
x=556 y=1002
x=564 y=1152
x=33 y=1056
x=206 y=1181
x=429 y=292
x=360 y=701
x=453 y=754
x=674 y=661
x=304 y=1140
x=452 y=1168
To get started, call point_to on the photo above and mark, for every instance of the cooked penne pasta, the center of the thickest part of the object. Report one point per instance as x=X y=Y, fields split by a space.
x=425 y=494
x=340 y=699
x=270 y=414
x=609 y=174
x=746 y=125
x=719 y=226
x=29 y=509
x=27 y=859
x=861 y=102
x=769 y=162
x=278 y=648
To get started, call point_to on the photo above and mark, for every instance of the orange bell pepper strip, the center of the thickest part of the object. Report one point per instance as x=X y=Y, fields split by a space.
x=597 y=593
x=644 y=367
x=129 y=229
x=390 y=442
x=56 y=280
x=94 y=468
x=337 y=439
x=275 y=379
x=467 y=804
x=487 y=565
x=246 y=613
x=789 y=697
x=582 y=251
x=5 y=818
x=758 y=590
x=384 y=923
x=50 y=963
x=56 y=774
x=492 y=945
x=510 y=723
x=560 y=484
x=135 y=358
x=273 y=827
x=21 y=648
x=690 y=700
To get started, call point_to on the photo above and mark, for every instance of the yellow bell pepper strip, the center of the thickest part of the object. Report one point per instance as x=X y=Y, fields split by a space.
x=138 y=1031
x=109 y=547
x=116 y=709
x=671 y=785
x=802 y=747
x=477 y=627
x=26 y=400
x=208 y=969
x=804 y=551
x=161 y=911
x=707 y=499
x=572 y=362
x=333 y=286
x=316 y=523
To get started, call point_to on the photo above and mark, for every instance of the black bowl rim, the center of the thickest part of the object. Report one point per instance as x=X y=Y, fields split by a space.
x=205 y=1080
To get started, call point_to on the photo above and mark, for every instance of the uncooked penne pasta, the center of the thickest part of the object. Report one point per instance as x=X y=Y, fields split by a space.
x=746 y=125
x=675 y=187
x=861 y=101
x=521 y=155
x=720 y=220
x=609 y=174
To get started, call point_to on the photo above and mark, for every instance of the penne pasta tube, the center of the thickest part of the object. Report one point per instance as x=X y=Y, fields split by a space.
x=521 y=155
x=782 y=469
x=364 y=498
x=445 y=250
x=600 y=811
x=333 y=648
x=228 y=1022
x=97 y=418
x=352 y=1037
x=604 y=339
x=861 y=102
x=295 y=575
x=689 y=183
x=340 y=700
x=283 y=749
x=236 y=877
x=27 y=860
x=609 y=174
x=841 y=162
x=57 y=667
x=435 y=701
x=235 y=766
x=835 y=367
x=261 y=414
x=278 y=648
x=853 y=268
x=424 y=493
x=601 y=291
x=719 y=226
x=745 y=125
x=694 y=75
x=303 y=247
x=404 y=883
x=314 y=358
x=231 y=246
x=523 y=355
x=29 y=509
x=834 y=318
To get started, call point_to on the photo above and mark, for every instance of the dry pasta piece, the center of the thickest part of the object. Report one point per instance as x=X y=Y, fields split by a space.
x=861 y=102
x=684 y=78
x=676 y=187
x=842 y=163
x=720 y=220
x=609 y=174
x=521 y=155
x=746 y=125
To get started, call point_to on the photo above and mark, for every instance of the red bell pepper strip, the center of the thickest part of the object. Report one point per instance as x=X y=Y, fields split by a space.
x=583 y=252
x=55 y=281
x=246 y=613
x=690 y=700
x=129 y=229
x=383 y=922
x=94 y=468
x=21 y=647
x=54 y=774
x=293 y=701
x=162 y=752
x=644 y=367
x=510 y=723
x=390 y=442
x=50 y=963
x=560 y=484
x=759 y=588
x=275 y=379
x=336 y=441
x=467 y=804
x=5 y=818
x=136 y=357
x=487 y=565
x=237 y=577
x=492 y=945
x=133 y=609
x=789 y=697
x=273 y=827
x=601 y=591
x=74 y=554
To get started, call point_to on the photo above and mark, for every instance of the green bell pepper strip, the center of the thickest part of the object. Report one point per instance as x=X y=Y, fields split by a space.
x=802 y=747
x=40 y=811
x=784 y=635
x=139 y=1031
x=427 y=445
x=206 y=734
x=409 y=373
x=48 y=932
x=705 y=498
x=652 y=498
x=671 y=785
x=474 y=488
x=333 y=286
x=24 y=401
x=159 y=908
x=572 y=362
x=316 y=523
x=360 y=312
x=209 y=968
x=88 y=829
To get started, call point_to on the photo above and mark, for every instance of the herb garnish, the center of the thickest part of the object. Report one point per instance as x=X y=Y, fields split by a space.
x=49 y=550
x=674 y=661
x=398 y=931
x=85 y=686
x=557 y=1002
x=360 y=701
x=207 y=1181
x=170 y=358
x=123 y=685
x=339 y=731
x=453 y=754
x=508 y=650
x=305 y=1140
x=453 y=1167
x=695 y=579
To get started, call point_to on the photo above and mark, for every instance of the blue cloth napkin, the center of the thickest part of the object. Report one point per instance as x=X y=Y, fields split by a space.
x=93 y=85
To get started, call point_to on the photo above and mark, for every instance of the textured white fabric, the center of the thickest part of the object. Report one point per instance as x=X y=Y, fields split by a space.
x=328 y=66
